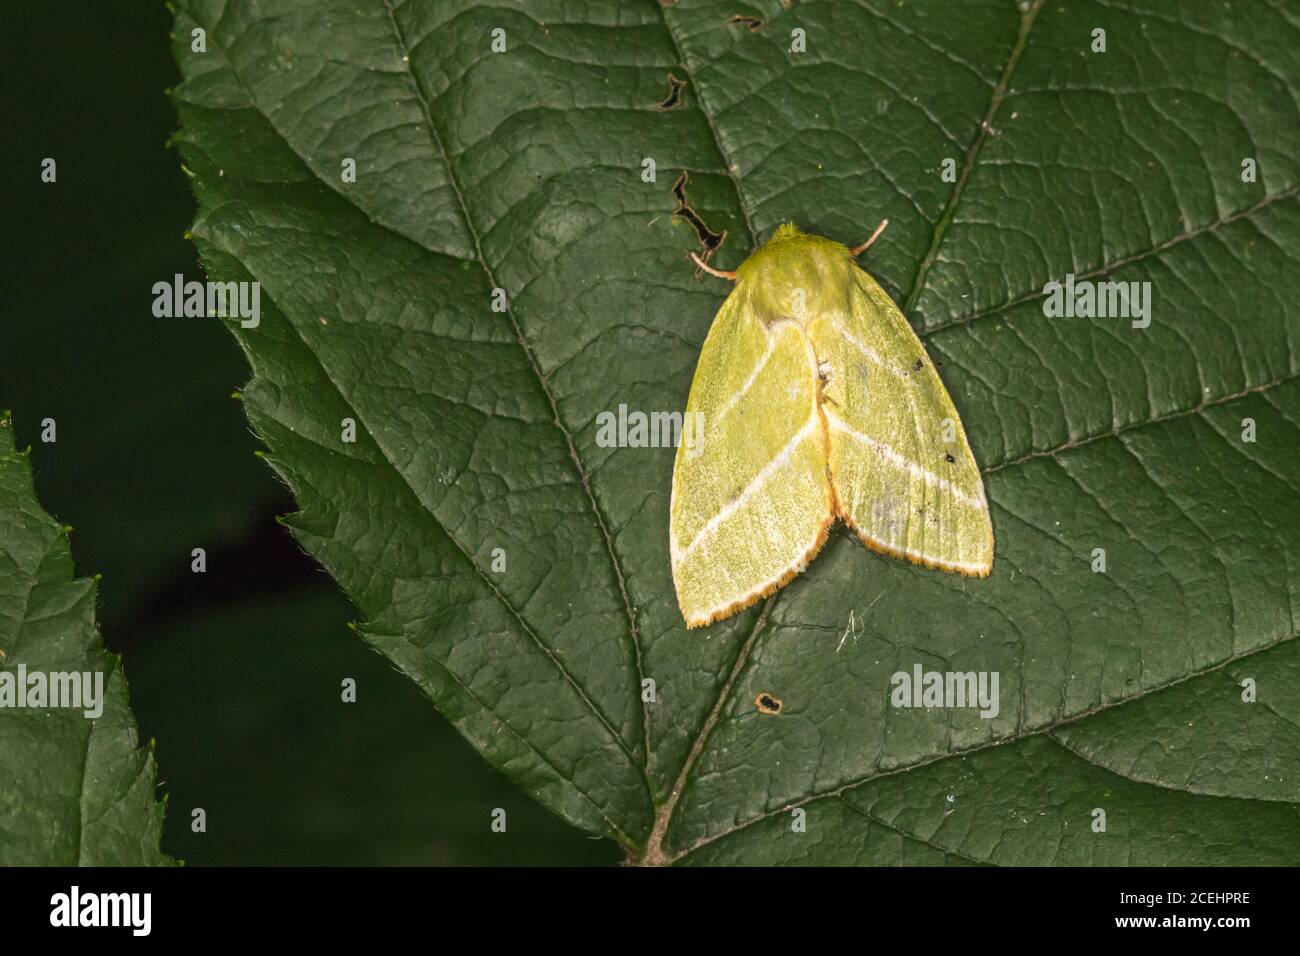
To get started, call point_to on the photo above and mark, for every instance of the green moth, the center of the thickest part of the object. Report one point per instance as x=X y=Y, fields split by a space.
x=818 y=402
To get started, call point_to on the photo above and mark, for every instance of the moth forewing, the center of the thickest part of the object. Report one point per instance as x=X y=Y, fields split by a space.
x=754 y=505
x=904 y=476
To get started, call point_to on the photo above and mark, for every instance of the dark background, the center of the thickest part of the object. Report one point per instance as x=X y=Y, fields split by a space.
x=235 y=672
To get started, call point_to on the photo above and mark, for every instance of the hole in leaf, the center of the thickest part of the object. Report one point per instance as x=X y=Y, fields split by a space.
x=673 y=100
x=709 y=240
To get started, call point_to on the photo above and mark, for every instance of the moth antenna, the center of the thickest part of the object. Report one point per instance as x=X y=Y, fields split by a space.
x=712 y=271
x=858 y=250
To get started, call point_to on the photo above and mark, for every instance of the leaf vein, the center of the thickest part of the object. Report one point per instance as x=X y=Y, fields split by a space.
x=436 y=140
x=972 y=155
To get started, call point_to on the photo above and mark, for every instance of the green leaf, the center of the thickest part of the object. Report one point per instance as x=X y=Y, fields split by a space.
x=74 y=790
x=521 y=170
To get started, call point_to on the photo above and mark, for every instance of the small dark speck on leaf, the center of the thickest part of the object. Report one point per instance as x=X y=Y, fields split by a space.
x=767 y=704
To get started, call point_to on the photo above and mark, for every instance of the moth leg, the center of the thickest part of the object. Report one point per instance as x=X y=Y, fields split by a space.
x=858 y=250
x=712 y=271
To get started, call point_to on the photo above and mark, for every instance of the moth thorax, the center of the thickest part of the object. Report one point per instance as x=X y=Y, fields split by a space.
x=801 y=291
